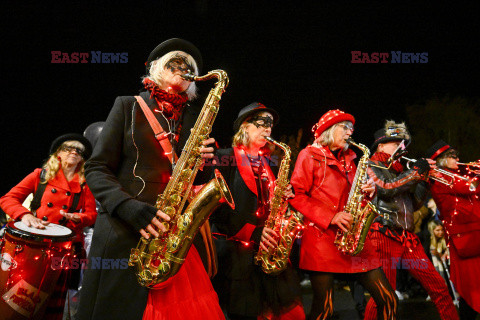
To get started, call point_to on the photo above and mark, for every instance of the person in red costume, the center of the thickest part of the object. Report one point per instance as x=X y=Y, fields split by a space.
x=63 y=175
x=459 y=208
x=250 y=293
x=66 y=200
x=400 y=192
x=130 y=167
x=322 y=179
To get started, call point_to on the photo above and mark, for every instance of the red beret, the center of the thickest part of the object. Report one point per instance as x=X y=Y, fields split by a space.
x=329 y=119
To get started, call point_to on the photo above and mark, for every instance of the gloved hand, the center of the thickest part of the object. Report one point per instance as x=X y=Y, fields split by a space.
x=421 y=166
x=138 y=214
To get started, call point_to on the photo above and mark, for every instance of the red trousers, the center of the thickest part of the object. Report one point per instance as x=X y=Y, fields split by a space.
x=391 y=253
x=295 y=313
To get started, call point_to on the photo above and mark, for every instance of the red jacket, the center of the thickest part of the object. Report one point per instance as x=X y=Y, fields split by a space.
x=460 y=211
x=58 y=196
x=321 y=184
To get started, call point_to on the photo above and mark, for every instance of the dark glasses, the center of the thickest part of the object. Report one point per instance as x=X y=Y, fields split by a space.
x=69 y=149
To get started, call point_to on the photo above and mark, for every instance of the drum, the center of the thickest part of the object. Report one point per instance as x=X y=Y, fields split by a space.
x=30 y=267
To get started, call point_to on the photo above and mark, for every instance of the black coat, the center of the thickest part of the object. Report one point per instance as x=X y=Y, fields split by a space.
x=110 y=289
x=247 y=291
x=398 y=195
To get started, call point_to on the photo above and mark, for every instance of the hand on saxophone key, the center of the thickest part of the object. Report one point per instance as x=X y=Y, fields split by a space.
x=369 y=187
x=343 y=220
x=207 y=152
x=268 y=239
x=288 y=192
x=155 y=224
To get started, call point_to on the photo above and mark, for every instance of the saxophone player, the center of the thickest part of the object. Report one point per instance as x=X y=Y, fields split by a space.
x=248 y=291
x=130 y=167
x=401 y=191
x=322 y=179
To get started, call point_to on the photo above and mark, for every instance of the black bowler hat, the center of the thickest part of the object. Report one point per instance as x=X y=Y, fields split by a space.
x=72 y=137
x=437 y=149
x=250 y=110
x=175 y=44
x=391 y=132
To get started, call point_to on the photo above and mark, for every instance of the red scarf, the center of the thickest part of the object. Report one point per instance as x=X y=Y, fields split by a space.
x=383 y=158
x=171 y=104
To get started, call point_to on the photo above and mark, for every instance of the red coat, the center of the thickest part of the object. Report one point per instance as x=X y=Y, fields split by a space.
x=321 y=184
x=58 y=196
x=463 y=230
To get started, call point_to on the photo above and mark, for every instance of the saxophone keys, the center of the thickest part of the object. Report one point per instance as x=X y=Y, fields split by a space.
x=169 y=211
x=175 y=199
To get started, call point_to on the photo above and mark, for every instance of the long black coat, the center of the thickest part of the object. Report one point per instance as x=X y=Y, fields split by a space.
x=110 y=289
x=241 y=284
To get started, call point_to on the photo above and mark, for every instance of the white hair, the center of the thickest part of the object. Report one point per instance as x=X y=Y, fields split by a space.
x=326 y=138
x=157 y=68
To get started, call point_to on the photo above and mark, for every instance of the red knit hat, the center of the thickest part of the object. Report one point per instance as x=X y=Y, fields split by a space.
x=329 y=119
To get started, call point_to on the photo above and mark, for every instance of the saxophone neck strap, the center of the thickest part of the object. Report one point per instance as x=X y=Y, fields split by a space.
x=160 y=134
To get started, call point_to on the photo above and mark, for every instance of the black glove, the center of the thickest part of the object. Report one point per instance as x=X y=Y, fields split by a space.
x=138 y=214
x=421 y=166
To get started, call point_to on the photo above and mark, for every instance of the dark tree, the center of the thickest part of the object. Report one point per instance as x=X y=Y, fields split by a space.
x=454 y=120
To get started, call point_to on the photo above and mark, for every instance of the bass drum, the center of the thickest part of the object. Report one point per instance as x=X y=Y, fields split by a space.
x=30 y=267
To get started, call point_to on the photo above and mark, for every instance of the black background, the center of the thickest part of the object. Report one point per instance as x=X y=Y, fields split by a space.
x=292 y=56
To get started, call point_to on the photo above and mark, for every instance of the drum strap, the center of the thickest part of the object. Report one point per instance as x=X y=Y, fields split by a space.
x=37 y=197
x=76 y=198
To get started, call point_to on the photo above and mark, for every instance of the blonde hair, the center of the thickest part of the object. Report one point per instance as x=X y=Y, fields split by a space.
x=157 y=69
x=241 y=138
x=52 y=165
x=439 y=244
x=326 y=138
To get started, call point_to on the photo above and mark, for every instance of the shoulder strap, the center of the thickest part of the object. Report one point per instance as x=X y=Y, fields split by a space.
x=76 y=199
x=37 y=197
x=160 y=134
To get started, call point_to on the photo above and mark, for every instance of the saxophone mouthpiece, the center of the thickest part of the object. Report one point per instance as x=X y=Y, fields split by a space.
x=269 y=139
x=349 y=140
x=188 y=76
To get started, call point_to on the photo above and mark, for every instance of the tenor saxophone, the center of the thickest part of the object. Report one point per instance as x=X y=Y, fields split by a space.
x=286 y=222
x=363 y=212
x=157 y=259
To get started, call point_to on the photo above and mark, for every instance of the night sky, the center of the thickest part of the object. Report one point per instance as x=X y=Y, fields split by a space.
x=293 y=57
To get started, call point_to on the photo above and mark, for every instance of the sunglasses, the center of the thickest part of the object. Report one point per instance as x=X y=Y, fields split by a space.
x=69 y=149
x=452 y=154
x=347 y=127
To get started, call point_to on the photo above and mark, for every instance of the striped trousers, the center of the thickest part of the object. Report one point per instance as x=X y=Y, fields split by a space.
x=391 y=253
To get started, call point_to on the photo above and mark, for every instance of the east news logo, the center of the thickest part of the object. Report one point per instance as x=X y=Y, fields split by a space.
x=89 y=57
x=389 y=57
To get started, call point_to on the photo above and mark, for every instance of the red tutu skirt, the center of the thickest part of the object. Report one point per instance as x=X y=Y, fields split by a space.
x=187 y=295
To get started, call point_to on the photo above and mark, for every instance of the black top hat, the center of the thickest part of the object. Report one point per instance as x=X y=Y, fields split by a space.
x=72 y=137
x=175 y=44
x=391 y=132
x=437 y=149
x=250 y=110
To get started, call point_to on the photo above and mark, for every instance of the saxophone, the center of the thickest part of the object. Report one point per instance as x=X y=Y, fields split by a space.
x=362 y=211
x=157 y=259
x=285 y=222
